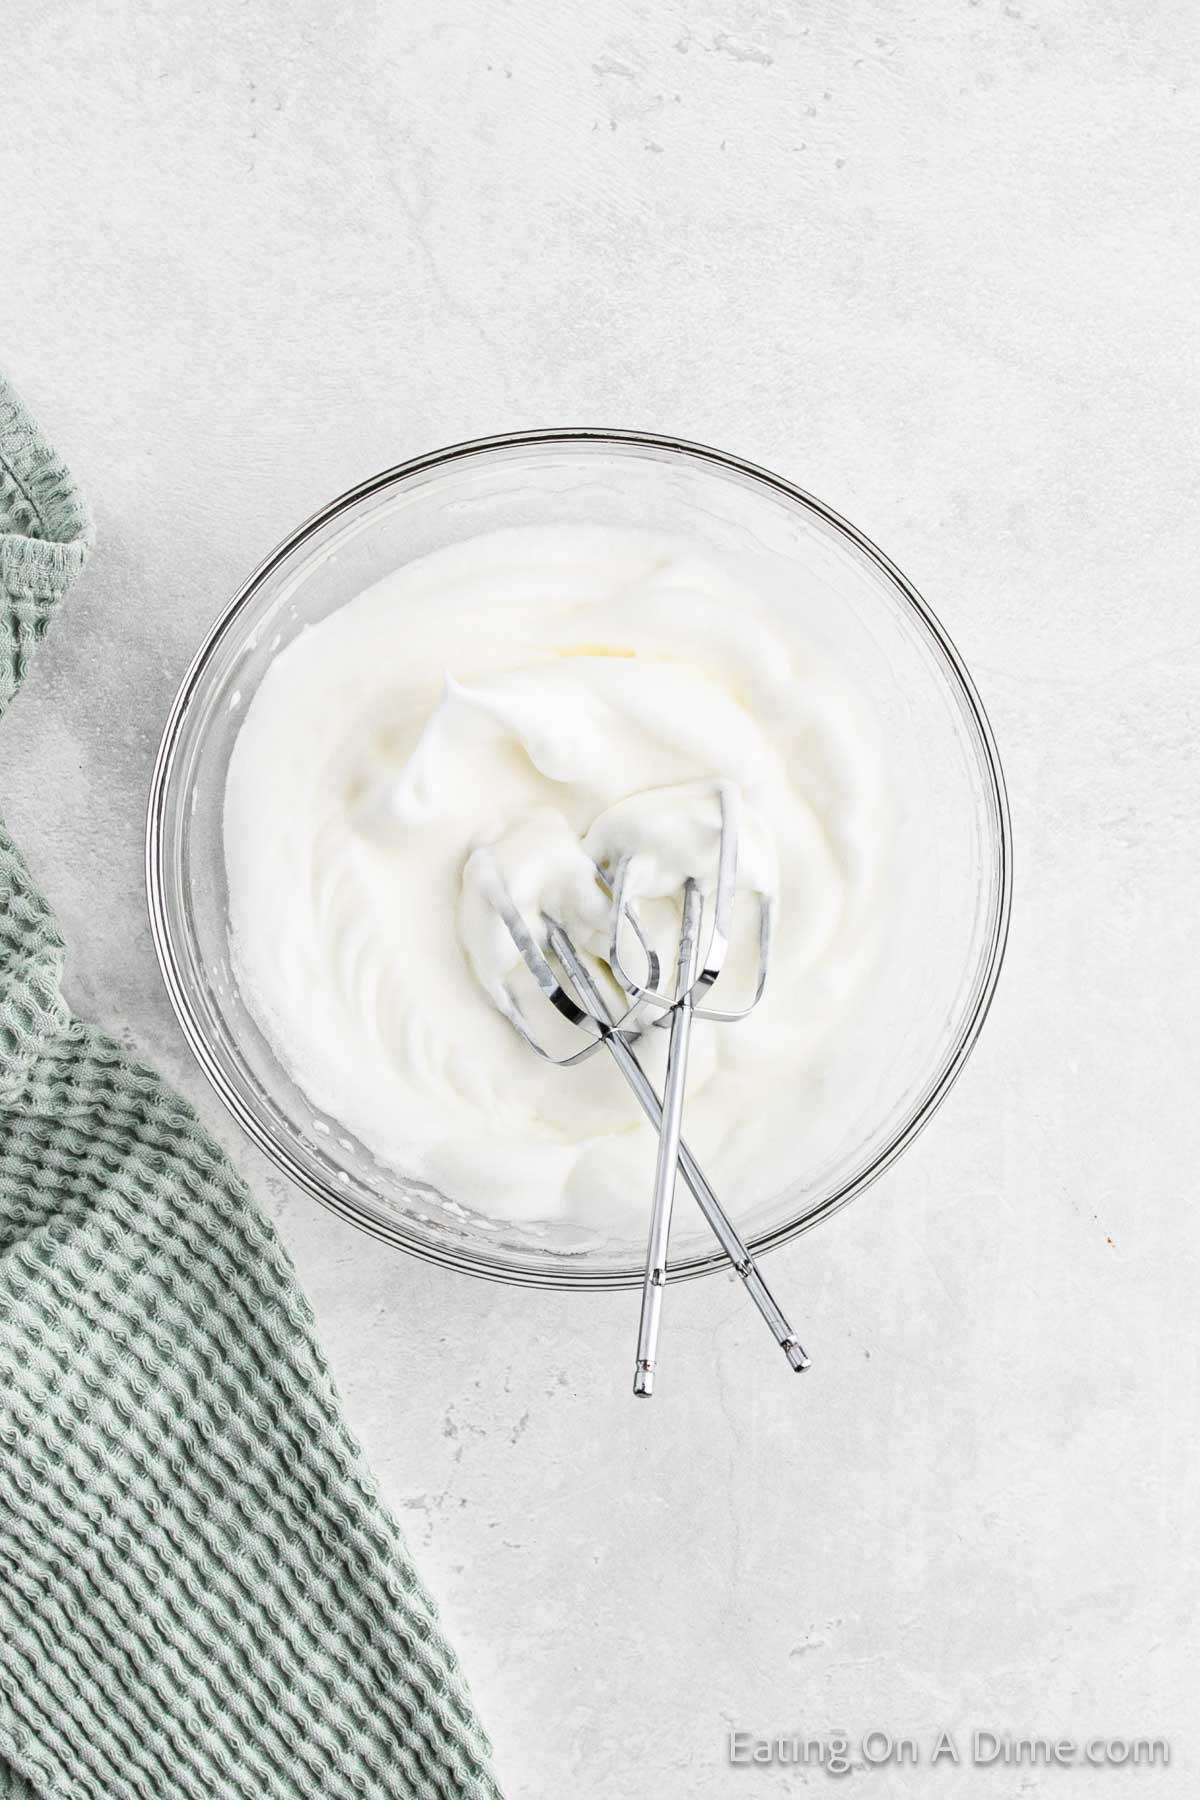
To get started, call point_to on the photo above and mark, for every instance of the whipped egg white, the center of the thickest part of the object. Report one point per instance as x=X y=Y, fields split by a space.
x=553 y=698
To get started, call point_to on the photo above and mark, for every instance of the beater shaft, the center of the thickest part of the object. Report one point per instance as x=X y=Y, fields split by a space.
x=718 y=1220
x=670 y=1131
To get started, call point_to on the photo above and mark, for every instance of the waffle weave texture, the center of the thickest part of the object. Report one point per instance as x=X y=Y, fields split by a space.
x=200 y=1591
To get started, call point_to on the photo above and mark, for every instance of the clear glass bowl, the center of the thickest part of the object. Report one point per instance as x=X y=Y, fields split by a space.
x=880 y=1078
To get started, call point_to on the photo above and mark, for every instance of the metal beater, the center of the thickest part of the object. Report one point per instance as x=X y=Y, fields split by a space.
x=576 y=992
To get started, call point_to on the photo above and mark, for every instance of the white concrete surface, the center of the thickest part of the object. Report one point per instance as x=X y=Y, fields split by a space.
x=937 y=262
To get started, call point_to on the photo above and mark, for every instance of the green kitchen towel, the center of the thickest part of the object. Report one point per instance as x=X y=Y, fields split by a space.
x=200 y=1591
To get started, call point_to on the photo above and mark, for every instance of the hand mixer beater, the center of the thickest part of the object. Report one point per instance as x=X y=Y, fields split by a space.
x=613 y=1008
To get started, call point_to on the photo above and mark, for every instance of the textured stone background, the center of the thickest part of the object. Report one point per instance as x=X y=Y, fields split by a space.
x=937 y=263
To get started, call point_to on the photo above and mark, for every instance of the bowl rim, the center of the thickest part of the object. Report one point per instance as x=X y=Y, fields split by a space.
x=398 y=1232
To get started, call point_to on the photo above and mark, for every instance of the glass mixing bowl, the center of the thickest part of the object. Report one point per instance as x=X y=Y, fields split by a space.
x=884 y=1071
